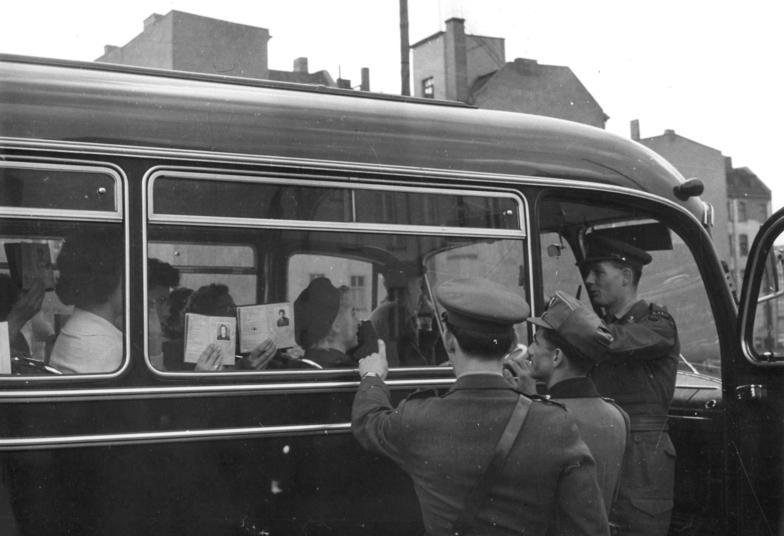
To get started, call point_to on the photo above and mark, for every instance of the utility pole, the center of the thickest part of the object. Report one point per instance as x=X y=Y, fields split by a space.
x=405 y=77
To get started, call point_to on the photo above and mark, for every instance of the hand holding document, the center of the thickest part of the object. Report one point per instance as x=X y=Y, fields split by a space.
x=258 y=323
x=202 y=331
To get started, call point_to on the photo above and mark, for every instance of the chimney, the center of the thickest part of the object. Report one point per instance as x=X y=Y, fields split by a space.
x=728 y=163
x=455 y=56
x=301 y=65
x=669 y=132
x=365 y=84
x=344 y=83
x=635 y=128
x=152 y=19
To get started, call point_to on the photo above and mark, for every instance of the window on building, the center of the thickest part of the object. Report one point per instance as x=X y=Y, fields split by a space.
x=742 y=214
x=762 y=211
x=428 y=88
x=359 y=294
x=743 y=244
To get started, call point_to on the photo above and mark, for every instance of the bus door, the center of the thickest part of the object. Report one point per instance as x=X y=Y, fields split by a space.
x=755 y=389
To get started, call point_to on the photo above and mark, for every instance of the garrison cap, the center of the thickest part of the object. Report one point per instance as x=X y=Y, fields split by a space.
x=601 y=248
x=314 y=311
x=577 y=324
x=481 y=305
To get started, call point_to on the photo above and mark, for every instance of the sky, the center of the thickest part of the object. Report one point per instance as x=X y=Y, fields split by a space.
x=709 y=69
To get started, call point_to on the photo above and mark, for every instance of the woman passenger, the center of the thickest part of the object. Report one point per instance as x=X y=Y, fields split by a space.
x=91 y=277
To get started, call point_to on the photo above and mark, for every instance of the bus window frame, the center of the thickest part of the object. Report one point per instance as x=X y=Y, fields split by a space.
x=350 y=180
x=119 y=215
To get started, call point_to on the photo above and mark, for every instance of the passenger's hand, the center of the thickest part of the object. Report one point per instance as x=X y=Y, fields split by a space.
x=261 y=355
x=375 y=362
x=517 y=371
x=26 y=307
x=210 y=360
x=295 y=352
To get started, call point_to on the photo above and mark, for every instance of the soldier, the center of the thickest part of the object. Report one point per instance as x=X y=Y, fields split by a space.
x=548 y=481
x=638 y=372
x=569 y=340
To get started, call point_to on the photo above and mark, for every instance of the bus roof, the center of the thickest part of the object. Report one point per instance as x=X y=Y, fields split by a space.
x=146 y=108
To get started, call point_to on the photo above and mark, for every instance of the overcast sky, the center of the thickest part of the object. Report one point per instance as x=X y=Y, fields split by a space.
x=710 y=70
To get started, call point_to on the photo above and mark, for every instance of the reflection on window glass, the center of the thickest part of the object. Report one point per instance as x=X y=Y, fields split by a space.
x=324 y=284
x=59 y=189
x=769 y=316
x=672 y=278
x=61 y=295
x=184 y=196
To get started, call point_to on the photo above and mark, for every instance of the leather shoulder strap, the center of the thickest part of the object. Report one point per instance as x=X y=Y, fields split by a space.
x=476 y=497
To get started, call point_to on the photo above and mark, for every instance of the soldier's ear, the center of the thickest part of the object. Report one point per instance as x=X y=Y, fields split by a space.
x=628 y=276
x=558 y=358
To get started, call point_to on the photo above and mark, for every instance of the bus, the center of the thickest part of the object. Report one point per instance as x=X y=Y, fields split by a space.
x=256 y=189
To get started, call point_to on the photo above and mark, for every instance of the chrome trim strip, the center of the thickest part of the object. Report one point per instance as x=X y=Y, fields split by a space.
x=188 y=391
x=141 y=438
x=699 y=387
x=690 y=418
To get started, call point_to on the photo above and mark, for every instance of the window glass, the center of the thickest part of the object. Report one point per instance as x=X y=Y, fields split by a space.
x=56 y=188
x=307 y=291
x=62 y=272
x=221 y=198
x=672 y=279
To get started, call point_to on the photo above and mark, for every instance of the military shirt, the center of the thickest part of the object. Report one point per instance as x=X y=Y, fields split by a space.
x=445 y=444
x=639 y=369
x=603 y=426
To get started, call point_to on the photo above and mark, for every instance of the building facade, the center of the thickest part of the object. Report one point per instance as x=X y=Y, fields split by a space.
x=748 y=206
x=469 y=68
x=186 y=42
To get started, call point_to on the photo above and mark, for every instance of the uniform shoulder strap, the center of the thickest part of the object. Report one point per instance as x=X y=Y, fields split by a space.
x=476 y=497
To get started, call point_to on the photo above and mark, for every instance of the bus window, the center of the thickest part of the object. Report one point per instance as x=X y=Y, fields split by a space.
x=62 y=270
x=672 y=279
x=315 y=285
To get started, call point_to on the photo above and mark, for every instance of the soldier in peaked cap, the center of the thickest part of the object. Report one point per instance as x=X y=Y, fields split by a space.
x=569 y=339
x=446 y=443
x=638 y=371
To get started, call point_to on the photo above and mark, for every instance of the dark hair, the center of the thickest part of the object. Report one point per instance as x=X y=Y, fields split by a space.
x=205 y=300
x=90 y=265
x=484 y=344
x=577 y=360
x=9 y=293
x=178 y=298
x=162 y=274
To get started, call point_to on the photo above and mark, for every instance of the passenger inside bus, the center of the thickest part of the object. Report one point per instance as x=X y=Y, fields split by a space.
x=91 y=277
x=214 y=300
x=18 y=308
x=326 y=324
x=162 y=277
x=404 y=319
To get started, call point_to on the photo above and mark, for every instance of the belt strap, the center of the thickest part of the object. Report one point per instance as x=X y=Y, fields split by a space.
x=476 y=496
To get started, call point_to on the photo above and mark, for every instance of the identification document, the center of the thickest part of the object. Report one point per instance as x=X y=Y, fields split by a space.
x=5 y=349
x=201 y=331
x=269 y=321
x=28 y=262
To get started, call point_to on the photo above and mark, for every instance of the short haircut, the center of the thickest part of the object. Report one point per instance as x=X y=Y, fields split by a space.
x=205 y=300
x=577 y=360
x=161 y=274
x=483 y=344
x=90 y=265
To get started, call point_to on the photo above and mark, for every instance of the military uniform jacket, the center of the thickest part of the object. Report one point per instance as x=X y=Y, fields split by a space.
x=445 y=444
x=639 y=369
x=603 y=426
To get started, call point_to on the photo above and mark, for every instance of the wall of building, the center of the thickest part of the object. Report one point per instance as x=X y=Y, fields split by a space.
x=151 y=48
x=693 y=159
x=484 y=55
x=427 y=61
x=525 y=86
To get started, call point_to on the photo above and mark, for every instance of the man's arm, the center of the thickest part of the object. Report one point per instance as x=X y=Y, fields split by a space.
x=580 y=508
x=374 y=422
x=649 y=337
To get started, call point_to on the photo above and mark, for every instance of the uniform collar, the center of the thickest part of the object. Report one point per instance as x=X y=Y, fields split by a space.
x=634 y=310
x=581 y=387
x=481 y=381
